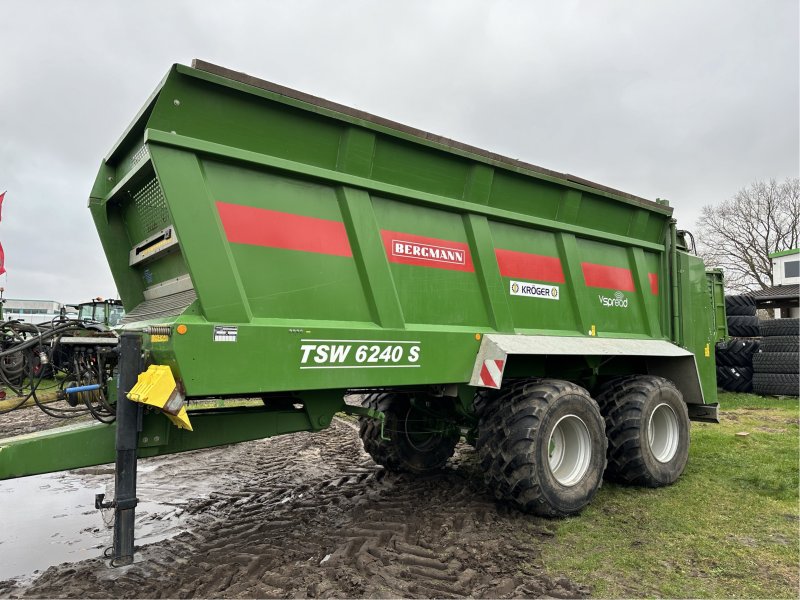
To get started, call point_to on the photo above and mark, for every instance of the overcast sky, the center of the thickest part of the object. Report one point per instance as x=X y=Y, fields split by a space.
x=685 y=100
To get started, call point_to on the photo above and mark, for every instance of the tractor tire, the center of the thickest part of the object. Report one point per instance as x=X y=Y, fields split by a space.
x=743 y=326
x=542 y=447
x=647 y=425
x=776 y=384
x=744 y=306
x=736 y=352
x=409 y=449
x=781 y=343
x=776 y=362
x=773 y=327
x=735 y=379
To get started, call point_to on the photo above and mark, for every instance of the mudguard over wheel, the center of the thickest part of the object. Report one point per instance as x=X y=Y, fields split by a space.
x=421 y=438
x=647 y=425
x=542 y=446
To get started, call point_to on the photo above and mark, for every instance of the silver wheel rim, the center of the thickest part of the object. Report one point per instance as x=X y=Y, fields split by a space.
x=663 y=433
x=569 y=450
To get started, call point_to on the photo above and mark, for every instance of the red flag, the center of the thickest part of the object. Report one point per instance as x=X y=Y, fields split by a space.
x=2 y=196
x=2 y=260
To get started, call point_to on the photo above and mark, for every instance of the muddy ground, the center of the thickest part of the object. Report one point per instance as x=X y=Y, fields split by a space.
x=307 y=516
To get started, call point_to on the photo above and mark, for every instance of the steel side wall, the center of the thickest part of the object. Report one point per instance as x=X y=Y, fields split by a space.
x=299 y=226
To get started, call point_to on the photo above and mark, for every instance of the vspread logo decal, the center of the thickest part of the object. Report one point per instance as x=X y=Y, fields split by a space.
x=443 y=254
x=359 y=354
x=534 y=290
x=618 y=301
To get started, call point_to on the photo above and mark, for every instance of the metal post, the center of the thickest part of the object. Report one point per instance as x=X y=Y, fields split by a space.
x=128 y=425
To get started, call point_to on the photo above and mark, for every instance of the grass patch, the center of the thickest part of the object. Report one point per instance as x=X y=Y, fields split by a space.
x=727 y=528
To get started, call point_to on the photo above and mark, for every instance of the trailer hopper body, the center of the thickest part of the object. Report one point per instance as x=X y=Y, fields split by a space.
x=271 y=244
x=308 y=246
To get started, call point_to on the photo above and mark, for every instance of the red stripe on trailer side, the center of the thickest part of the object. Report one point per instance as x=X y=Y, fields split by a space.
x=612 y=278
x=410 y=249
x=274 y=229
x=653 y=277
x=523 y=265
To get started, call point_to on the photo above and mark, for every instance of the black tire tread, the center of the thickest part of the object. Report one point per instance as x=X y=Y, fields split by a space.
x=506 y=438
x=391 y=454
x=776 y=384
x=741 y=305
x=740 y=326
x=623 y=420
x=735 y=379
x=737 y=352
x=775 y=327
x=776 y=362
x=781 y=343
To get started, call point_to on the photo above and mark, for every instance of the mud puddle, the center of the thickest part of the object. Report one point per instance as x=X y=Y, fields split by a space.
x=51 y=519
x=310 y=515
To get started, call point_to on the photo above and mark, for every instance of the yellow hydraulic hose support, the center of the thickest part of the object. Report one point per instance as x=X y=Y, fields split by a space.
x=156 y=387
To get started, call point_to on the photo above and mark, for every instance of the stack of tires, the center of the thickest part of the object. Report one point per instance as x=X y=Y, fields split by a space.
x=777 y=365
x=735 y=356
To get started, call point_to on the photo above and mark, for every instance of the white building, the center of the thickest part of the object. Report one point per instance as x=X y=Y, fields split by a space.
x=31 y=311
x=784 y=295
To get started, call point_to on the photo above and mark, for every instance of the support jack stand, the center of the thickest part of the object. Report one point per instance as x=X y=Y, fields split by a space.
x=129 y=423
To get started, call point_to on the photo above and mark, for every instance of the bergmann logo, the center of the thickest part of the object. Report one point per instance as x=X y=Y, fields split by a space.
x=618 y=301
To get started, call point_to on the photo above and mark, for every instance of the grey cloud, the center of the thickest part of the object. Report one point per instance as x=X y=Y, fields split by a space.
x=685 y=100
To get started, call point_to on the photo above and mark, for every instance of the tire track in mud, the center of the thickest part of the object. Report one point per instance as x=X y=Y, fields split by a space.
x=312 y=515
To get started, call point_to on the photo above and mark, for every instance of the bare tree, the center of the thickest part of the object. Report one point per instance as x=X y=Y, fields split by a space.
x=739 y=234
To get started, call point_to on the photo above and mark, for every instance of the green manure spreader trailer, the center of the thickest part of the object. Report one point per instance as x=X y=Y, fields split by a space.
x=271 y=244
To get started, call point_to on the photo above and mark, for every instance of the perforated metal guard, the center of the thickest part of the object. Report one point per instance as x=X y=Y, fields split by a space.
x=141 y=154
x=151 y=206
x=159 y=308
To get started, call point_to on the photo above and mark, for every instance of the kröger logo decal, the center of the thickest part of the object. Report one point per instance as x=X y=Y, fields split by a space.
x=534 y=290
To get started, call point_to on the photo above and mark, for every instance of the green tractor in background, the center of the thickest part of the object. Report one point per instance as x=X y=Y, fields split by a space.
x=106 y=312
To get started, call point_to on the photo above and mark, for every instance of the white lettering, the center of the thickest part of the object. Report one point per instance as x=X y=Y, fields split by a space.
x=322 y=354
x=428 y=252
x=339 y=353
x=413 y=354
x=306 y=349
x=347 y=354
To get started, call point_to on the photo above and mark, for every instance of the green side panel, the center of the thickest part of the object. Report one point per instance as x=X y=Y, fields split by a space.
x=595 y=212
x=529 y=313
x=717 y=287
x=401 y=163
x=516 y=193
x=190 y=107
x=430 y=295
x=309 y=291
x=699 y=328
x=612 y=310
x=284 y=283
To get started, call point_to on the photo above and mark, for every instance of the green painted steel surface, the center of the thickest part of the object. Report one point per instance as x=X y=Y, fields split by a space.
x=325 y=249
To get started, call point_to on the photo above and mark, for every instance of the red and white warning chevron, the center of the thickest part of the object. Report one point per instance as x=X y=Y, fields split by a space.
x=492 y=373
